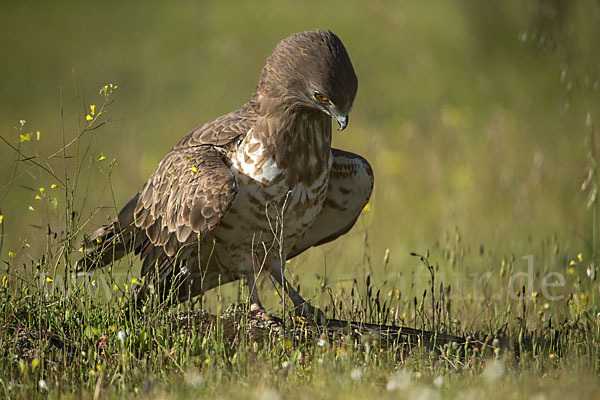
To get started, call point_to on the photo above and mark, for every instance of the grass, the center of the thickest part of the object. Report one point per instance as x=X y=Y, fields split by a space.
x=64 y=335
x=478 y=120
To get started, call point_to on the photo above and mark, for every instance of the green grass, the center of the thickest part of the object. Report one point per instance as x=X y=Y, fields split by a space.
x=478 y=120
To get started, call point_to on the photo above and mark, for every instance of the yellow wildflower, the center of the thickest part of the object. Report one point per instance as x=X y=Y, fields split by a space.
x=580 y=257
x=93 y=109
x=534 y=294
x=42 y=190
x=53 y=186
x=584 y=299
x=367 y=207
x=572 y=263
x=37 y=197
x=101 y=158
x=88 y=117
x=48 y=279
x=37 y=135
x=11 y=254
x=287 y=343
x=30 y=208
x=25 y=137
x=1 y=218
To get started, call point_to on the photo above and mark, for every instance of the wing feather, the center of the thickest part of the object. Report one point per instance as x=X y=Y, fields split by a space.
x=186 y=197
x=349 y=189
x=194 y=180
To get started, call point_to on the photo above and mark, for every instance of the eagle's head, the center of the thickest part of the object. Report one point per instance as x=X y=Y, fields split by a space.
x=311 y=70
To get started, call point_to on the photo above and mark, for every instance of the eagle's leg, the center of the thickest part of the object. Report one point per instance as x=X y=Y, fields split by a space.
x=302 y=308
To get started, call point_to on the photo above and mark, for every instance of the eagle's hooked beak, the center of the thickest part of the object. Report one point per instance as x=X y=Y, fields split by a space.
x=342 y=121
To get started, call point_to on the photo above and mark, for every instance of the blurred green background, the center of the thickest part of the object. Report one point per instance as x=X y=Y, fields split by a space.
x=472 y=113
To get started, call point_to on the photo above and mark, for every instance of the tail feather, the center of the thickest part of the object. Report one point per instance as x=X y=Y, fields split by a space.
x=110 y=242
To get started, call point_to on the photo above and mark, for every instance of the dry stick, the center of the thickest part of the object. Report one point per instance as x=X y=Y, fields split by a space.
x=1 y=232
x=280 y=243
x=27 y=159
x=67 y=243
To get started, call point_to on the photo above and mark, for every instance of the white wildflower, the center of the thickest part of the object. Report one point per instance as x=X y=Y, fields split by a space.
x=494 y=371
x=194 y=379
x=591 y=272
x=269 y=394
x=424 y=393
x=356 y=374
x=400 y=380
x=538 y=396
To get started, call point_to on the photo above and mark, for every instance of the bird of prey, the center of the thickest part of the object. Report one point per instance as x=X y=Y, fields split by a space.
x=240 y=195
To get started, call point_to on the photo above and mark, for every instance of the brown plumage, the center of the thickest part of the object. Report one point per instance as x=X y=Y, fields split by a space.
x=240 y=195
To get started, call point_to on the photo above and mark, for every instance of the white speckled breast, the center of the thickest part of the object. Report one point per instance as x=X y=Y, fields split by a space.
x=262 y=195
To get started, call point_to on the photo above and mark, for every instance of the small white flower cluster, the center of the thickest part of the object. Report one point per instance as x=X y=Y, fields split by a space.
x=399 y=380
x=591 y=272
x=494 y=371
x=356 y=374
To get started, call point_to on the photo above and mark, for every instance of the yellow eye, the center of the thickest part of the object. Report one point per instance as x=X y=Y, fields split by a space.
x=320 y=97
